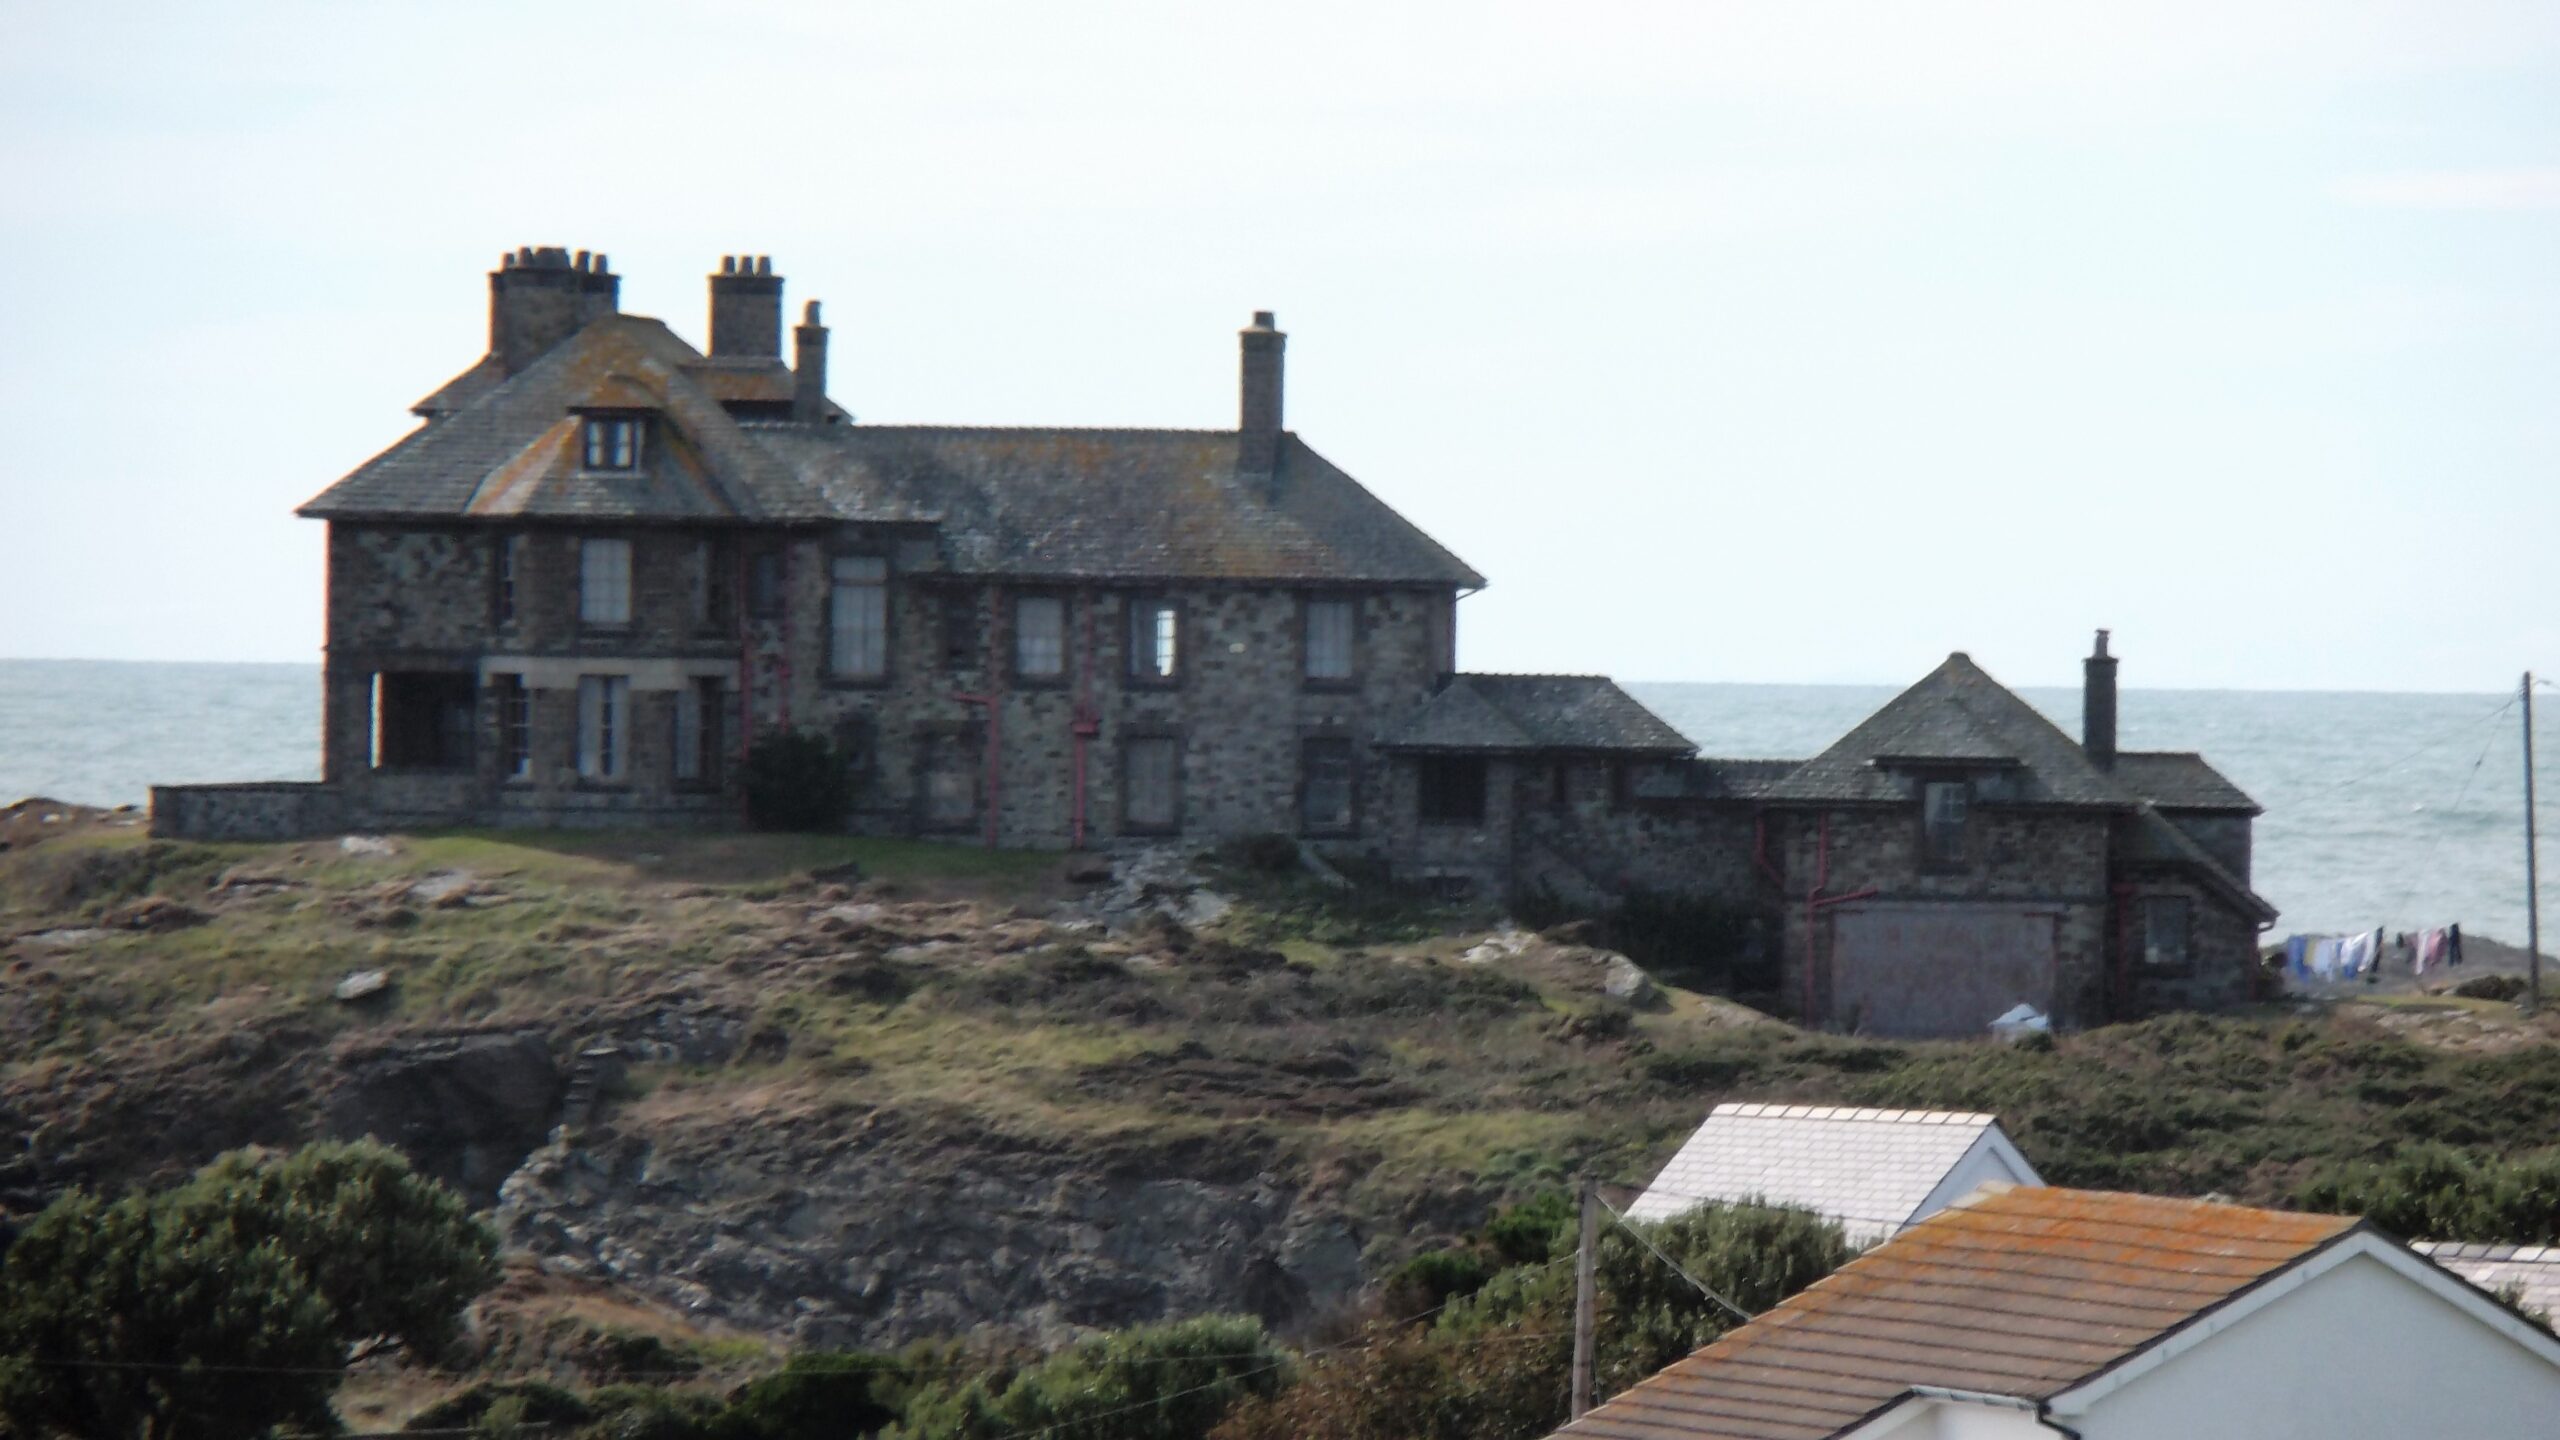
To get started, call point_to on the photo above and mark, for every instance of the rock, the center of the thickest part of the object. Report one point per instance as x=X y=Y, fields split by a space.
x=466 y=1110
x=1088 y=870
x=444 y=888
x=361 y=985
x=1622 y=979
x=372 y=845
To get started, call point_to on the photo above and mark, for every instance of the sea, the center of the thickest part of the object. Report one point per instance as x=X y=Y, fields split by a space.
x=2381 y=809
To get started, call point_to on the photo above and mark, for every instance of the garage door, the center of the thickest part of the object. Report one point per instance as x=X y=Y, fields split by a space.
x=1939 y=969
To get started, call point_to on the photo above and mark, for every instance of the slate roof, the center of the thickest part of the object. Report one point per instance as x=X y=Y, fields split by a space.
x=2179 y=780
x=1514 y=714
x=1073 y=504
x=2533 y=1269
x=1062 y=504
x=514 y=451
x=1870 y=1170
x=1712 y=777
x=1958 y=715
x=2023 y=1292
x=2159 y=838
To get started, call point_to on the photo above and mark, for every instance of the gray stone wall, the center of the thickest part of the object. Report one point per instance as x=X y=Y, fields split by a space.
x=2053 y=860
x=271 y=810
x=2224 y=837
x=1591 y=837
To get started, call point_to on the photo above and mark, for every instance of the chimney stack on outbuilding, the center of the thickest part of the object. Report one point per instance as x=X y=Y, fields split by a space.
x=809 y=366
x=2098 y=706
x=540 y=296
x=746 y=308
x=1258 y=414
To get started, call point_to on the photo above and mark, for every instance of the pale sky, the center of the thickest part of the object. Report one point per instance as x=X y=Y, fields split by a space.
x=1752 y=342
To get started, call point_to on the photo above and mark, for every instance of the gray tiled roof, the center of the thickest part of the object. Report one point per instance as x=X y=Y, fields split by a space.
x=2532 y=1269
x=1959 y=715
x=1869 y=1170
x=514 y=451
x=2158 y=838
x=2179 y=780
x=1119 y=504
x=1152 y=505
x=1520 y=713
x=1717 y=778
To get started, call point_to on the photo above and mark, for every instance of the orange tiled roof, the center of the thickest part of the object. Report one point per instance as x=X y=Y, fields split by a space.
x=2024 y=1292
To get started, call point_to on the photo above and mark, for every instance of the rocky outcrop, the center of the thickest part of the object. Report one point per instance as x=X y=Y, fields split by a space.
x=894 y=1228
x=465 y=1109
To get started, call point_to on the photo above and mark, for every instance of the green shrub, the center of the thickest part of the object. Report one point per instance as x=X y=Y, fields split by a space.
x=1432 y=1279
x=2435 y=1192
x=817 y=1395
x=798 y=780
x=1156 y=1382
x=500 y=1405
x=1537 y=1230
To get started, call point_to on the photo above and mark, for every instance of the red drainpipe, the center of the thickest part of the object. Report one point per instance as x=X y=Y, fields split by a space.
x=1086 y=724
x=1815 y=902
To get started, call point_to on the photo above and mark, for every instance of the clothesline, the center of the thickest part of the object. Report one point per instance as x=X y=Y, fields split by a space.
x=2363 y=954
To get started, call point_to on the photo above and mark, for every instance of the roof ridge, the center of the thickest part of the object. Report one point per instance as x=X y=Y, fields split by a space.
x=947 y=428
x=1760 y=1110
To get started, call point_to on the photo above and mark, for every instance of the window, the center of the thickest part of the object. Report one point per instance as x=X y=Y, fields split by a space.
x=423 y=721
x=2165 y=921
x=1451 y=789
x=947 y=781
x=604 y=583
x=1155 y=641
x=1942 y=811
x=858 y=617
x=515 y=727
x=510 y=577
x=604 y=726
x=764 y=584
x=613 y=442
x=960 y=630
x=702 y=585
x=1151 y=784
x=697 y=738
x=1330 y=626
x=1328 y=787
x=1040 y=637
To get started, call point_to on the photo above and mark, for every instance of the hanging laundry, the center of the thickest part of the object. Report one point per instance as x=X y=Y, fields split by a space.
x=2358 y=954
x=2325 y=956
x=2297 y=955
x=2431 y=948
x=2453 y=944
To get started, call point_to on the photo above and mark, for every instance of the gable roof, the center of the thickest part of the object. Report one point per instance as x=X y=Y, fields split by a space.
x=1512 y=714
x=2179 y=780
x=1872 y=1171
x=2158 y=838
x=2023 y=1292
x=1955 y=715
x=513 y=451
x=1138 y=505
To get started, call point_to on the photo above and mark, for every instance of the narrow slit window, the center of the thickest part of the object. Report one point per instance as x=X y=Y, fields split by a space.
x=510 y=578
x=1155 y=641
x=1943 y=804
x=1328 y=787
x=515 y=728
x=604 y=726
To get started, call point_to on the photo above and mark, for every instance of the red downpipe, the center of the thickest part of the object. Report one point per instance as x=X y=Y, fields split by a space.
x=1814 y=903
x=1086 y=724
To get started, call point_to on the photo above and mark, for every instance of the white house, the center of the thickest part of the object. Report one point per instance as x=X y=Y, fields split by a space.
x=1873 y=1171
x=2025 y=1313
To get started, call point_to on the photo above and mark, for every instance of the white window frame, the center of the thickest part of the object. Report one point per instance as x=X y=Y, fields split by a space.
x=614 y=442
x=1332 y=639
x=604 y=582
x=604 y=728
x=857 y=617
x=1041 y=656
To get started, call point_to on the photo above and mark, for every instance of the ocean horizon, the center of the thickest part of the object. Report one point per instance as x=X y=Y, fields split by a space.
x=2403 y=809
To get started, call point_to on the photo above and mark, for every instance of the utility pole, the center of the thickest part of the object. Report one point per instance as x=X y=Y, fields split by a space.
x=2532 y=888
x=1585 y=1287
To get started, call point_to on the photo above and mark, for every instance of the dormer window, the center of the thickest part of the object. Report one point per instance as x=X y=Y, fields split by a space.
x=614 y=442
x=1942 y=816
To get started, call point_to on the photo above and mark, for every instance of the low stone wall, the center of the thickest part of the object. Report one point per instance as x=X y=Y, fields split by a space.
x=259 y=810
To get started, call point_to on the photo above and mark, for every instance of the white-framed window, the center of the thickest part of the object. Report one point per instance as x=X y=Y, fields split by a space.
x=1040 y=637
x=696 y=757
x=1942 y=814
x=604 y=582
x=604 y=727
x=511 y=553
x=1155 y=640
x=1331 y=626
x=515 y=727
x=614 y=442
x=858 y=616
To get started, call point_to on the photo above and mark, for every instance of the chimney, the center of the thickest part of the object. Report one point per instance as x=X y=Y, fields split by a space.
x=1258 y=416
x=746 y=308
x=2098 y=706
x=809 y=366
x=539 y=297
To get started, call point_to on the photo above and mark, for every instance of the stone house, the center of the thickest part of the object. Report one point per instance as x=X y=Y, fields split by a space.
x=606 y=563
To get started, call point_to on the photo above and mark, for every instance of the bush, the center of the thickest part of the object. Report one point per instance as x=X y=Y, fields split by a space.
x=499 y=1406
x=1432 y=1279
x=1538 y=1230
x=2435 y=1192
x=817 y=1395
x=1156 y=1382
x=798 y=781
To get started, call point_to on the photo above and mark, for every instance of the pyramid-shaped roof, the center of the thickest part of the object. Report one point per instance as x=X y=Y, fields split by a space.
x=1956 y=716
